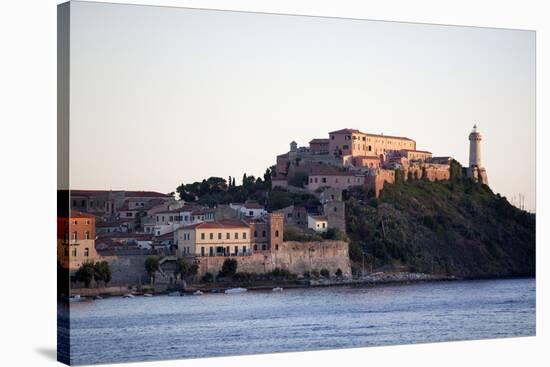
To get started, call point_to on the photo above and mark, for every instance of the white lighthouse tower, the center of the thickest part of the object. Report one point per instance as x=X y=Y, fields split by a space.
x=475 y=148
x=475 y=169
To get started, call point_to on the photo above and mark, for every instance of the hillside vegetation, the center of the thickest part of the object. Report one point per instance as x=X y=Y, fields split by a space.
x=457 y=228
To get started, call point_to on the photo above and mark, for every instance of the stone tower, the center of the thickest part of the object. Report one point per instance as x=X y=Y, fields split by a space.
x=475 y=169
x=293 y=146
x=275 y=228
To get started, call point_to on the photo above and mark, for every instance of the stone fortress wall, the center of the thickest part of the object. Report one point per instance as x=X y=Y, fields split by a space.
x=296 y=257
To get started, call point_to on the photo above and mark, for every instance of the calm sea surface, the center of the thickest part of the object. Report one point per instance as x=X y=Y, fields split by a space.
x=162 y=327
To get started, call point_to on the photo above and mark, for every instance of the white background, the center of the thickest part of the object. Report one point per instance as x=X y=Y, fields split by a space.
x=28 y=174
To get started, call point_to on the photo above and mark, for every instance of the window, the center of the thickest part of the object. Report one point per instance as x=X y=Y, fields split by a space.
x=332 y=137
x=74 y=251
x=88 y=222
x=289 y=215
x=255 y=233
x=157 y=218
x=324 y=225
x=163 y=218
x=66 y=236
x=83 y=202
x=236 y=236
x=277 y=247
x=255 y=247
x=324 y=180
x=277 y=233
x=219 y=236
x=236 y=250
x=129 y=214
x=211 y=236
x=87 y=235
x=250 y=213
x=86 y=252
x=263 y=233
x=335 y=210
x=244 y=249
x=211 y=251
x=227 y=236
x=66 y=252
x=170 y=218
x=202 y=251
x=345 y=147
x=202 y=236
x=74 y=236
x=74 y=203
x=264 y=247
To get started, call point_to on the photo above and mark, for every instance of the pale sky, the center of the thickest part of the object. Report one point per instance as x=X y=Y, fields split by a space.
x=162 y=96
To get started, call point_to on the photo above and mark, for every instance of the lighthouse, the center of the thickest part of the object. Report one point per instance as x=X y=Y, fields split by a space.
x=475 y=148
x=475 y=169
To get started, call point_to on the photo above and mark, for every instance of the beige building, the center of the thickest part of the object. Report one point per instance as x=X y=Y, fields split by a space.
x=76 y=240
x=356 y=143
x=335 y=179
x=217 y=238
x=231 y=237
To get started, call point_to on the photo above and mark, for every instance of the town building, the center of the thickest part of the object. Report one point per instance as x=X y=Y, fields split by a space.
x=76 y=237
x=317 y=223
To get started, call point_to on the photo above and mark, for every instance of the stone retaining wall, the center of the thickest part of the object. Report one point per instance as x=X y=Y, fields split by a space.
x=297 y=257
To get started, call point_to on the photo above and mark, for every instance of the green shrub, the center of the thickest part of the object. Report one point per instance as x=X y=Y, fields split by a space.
x=325 y=273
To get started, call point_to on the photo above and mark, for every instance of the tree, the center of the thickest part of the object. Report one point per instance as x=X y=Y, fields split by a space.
x=102 y=271
x=324 y=273
x=186 y=269
x=85 y=273
x=151 y=266
x=338 y=272
x=299 y=179
x=229 y=267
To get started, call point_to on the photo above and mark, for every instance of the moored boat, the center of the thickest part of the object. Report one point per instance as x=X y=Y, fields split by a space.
x=235 y=290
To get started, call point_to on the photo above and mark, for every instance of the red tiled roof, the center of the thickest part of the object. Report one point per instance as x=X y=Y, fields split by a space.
x=253 y=206
x=79 y=214
x=224 y=223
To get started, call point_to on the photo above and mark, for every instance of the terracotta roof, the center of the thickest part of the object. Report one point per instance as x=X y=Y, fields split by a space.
x=318 y=217
x=224 y=223
x=79 y=214
x=253 y=206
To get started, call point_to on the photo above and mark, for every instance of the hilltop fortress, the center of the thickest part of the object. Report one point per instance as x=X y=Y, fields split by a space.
x=349 y=157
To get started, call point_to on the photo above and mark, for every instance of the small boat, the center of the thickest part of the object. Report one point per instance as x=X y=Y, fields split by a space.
x=128 y=295
x=277 y=289
x=235 y=290
x=174 y=294
x=147 y=295
x=98 y=297
x=198 y=293
x=76 y=298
